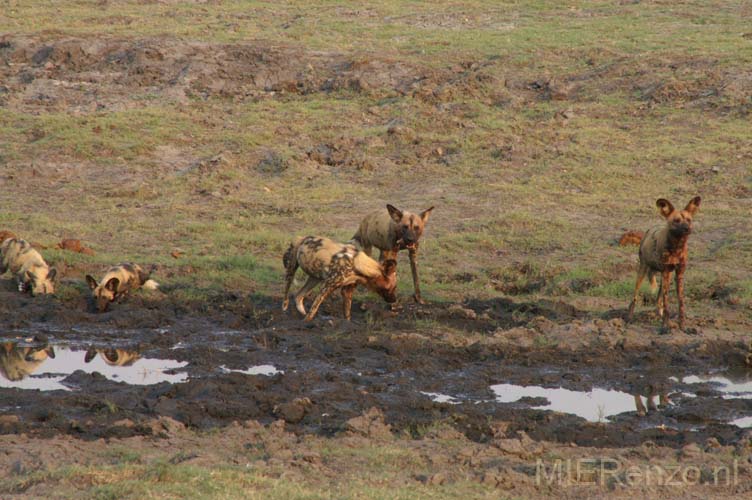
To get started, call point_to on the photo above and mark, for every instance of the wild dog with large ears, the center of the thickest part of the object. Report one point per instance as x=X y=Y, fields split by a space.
x=663 y=249
x=31 y=271
x=117 y=282
x=390 y=231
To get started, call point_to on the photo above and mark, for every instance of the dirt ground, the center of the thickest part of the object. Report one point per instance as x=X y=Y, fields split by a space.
x=203 y=152
x=360 y=383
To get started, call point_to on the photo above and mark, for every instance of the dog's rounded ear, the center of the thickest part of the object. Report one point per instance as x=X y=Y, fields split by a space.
x=664 y=206
x=394 y=213
x=91 y=281
x=693 y=205
x=425 y=213
x=112 y=285
x=90 y=354
x=390 y=267
x=51 y=274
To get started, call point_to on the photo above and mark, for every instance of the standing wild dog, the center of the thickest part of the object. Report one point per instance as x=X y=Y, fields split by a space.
x=390 y=231
x=117 y=282
x=663 y=249
x=17 y=363
x=339 y=266
x=31 y=271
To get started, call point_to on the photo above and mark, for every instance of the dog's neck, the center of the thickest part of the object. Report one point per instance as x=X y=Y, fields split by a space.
x=676 y=243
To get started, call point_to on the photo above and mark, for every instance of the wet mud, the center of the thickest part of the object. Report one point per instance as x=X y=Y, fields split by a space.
x=210 y=365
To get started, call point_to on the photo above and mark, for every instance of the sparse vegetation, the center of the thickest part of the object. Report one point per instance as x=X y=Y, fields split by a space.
x=202 y=136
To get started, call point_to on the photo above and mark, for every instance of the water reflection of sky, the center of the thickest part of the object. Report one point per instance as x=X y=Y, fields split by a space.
x=741 y=389
x=594 y=406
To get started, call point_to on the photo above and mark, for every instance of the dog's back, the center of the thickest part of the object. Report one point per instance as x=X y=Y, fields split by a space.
x=314 y=255
x=377 y=229
x=27 y=264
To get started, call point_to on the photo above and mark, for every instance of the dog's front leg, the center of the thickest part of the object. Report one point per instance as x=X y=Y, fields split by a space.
x=665 y=286
x=680 y=294
x=326 y=290
x=347 y=295
x=413 y=253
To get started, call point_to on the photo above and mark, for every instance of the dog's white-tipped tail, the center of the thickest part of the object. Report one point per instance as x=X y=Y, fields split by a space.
x=150 y=285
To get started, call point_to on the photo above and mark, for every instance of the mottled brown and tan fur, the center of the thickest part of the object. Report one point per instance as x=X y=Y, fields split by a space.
x=31 y=271
x=390 y=231
x=663 y=250
x=17 y=363
x=338 y=266
x=117 y=282
x=113 y=357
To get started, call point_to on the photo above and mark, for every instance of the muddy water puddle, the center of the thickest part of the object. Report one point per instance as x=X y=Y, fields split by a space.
x=601 y=405
x=594 y=406
x=268 y=370
x=45 y=368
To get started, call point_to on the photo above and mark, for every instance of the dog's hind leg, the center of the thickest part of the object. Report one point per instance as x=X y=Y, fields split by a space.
x=641 y=411
x=640 y=276
x=303 y=292
x=289 y=275
x=330 y=285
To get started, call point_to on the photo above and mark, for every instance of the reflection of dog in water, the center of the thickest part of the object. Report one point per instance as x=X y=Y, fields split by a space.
x=113 y=357
x=650 y=392
x=17 y=363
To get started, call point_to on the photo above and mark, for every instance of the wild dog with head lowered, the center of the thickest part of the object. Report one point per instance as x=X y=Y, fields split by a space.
x=339 y=266
x=390 y=231
x=663 y=249
x=31 y=271
x=117 y=282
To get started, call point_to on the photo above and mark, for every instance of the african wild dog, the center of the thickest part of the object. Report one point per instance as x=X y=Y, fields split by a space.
x=390 y=231
x=663 y=249
x=31 y=271
x=338 y=266
x=17 y=363
x=117 y=282
x=113 y=357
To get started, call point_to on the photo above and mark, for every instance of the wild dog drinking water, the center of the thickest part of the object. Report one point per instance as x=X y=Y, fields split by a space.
x=339 y=266
x=31 y=271
x=117 y=282
x=663 y=250
x=390 y=231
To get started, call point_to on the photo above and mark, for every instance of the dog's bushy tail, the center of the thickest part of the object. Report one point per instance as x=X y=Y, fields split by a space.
x=291 y=253
x=631 y=238
x=150 y=285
